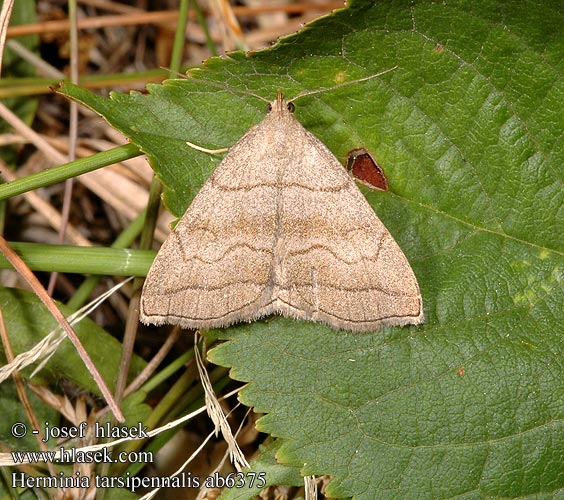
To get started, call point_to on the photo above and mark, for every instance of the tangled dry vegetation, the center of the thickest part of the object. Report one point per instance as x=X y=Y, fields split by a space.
x=108 y=46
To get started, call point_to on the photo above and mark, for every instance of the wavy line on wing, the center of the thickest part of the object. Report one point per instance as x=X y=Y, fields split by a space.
x=306 y=285
x=279 y=185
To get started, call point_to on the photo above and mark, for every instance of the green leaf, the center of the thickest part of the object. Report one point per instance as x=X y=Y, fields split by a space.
x=14 y=412
x=28 y=322
x=265 y=467
x=469 y=131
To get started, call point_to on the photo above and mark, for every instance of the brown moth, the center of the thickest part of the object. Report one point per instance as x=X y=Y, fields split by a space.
x=280 y=227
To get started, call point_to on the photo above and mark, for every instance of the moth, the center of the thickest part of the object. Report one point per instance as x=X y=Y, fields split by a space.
x=280 y=227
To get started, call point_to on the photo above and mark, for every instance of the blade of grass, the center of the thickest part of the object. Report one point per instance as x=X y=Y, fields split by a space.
x=68 y=170
x=82 y=260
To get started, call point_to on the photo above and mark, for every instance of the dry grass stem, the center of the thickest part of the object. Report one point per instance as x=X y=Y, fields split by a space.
x=115 y=46
x=216 y=414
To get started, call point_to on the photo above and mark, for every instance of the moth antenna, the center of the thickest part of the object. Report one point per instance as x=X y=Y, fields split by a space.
x=218 y=85
x=303 y=94
x=327 y=89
